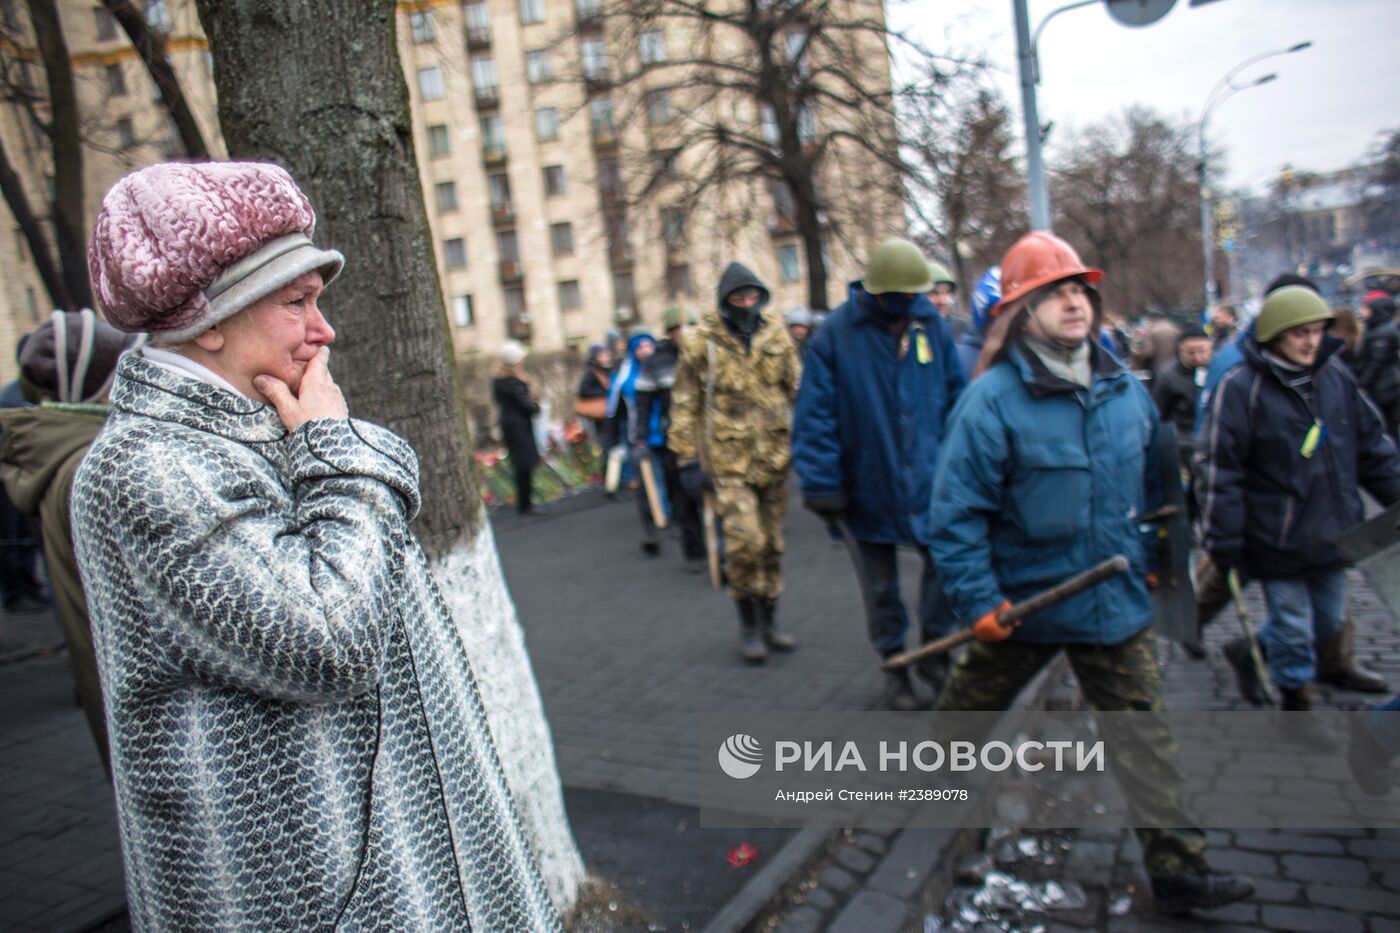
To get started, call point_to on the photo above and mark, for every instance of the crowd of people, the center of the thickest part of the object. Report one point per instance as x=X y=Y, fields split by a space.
x=256 y=635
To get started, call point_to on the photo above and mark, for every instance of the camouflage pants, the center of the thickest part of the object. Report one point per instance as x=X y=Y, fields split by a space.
x=753 y=536
x=1113 y=678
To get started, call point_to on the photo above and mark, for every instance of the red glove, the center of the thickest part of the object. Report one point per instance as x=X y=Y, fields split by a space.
x=988 y=628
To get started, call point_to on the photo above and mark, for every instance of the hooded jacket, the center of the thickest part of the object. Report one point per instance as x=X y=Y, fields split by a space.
x=1040 y=479
x=870 y=416
x=517 y=409
x=297 y=740
x=1268 y=506
x=1378 y=359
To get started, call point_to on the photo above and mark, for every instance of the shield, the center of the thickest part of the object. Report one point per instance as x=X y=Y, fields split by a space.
x=1167 y=534
x=1374 y=546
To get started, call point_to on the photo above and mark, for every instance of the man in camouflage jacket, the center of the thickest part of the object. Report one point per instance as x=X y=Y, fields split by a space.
x=731 y=422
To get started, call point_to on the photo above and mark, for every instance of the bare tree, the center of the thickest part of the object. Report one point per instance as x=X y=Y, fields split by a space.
x=781 y=102
x=968 y=188
x=150 y=45
x=318 y=86
x=1381 y=204
x=1124 y=191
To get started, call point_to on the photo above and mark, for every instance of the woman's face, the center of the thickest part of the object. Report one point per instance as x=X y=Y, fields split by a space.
x=644 y=349
x=277 y=336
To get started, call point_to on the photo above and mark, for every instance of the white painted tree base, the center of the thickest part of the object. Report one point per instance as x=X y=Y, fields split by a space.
x=474 y=588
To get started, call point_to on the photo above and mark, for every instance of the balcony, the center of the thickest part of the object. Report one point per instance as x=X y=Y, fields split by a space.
x=604 y=139
x=493 y=154
x=488 y=98
x=598 y=80
x=502 y=213
x=782 y=224
x=518 y=327
x=590 y=21
x=620 y=258
x=478 y=37
x=511 y=270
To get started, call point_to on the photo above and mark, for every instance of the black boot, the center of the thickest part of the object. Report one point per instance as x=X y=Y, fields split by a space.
x=1297 y=722
x=780 y=642
x=1336 y=664
x=651 y=544
x=1246 y=674
x=934 y=672
x=1176 y=895
x=750 y=644
x=1370 y=763
x=899 y=692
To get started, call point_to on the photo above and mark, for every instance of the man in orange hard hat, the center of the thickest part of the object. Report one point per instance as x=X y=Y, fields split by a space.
x=1048 y=461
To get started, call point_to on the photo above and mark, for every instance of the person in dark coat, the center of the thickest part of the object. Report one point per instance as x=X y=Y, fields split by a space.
x=21 y=590
x=591 y=399
x=653 y=392
x=518 y=407
x=1178 y=386
x=1378 y=361
x=879 y=380
x=1288 y=440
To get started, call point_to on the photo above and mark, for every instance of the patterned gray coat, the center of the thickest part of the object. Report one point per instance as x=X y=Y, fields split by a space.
x=297 y=740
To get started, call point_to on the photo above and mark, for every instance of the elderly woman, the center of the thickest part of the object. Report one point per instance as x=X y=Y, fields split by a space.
x=518 y=407
x=297 y=740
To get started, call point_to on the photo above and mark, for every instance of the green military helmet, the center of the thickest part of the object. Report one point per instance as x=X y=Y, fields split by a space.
x=940 y=274
x=677 y=316
x=1290 y=306
x=898 y=267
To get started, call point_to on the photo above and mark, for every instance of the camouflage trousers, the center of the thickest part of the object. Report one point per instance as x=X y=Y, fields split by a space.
x=1113 y=678
x=753 y=536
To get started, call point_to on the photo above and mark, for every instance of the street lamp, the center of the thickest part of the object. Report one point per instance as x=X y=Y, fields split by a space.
x=1224 y=89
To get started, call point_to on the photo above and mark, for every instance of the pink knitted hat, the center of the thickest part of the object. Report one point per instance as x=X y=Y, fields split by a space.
x=180 y=246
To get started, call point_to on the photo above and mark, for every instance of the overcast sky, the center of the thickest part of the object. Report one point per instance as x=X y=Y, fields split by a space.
x=1323 y=112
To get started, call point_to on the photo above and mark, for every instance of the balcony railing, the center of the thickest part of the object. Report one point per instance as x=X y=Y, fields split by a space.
x=511 y=270
x=488 y=98
x=478 y=37
x=502 y=213
x=493 y=153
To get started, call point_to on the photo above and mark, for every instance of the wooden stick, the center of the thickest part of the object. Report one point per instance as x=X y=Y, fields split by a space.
x=1113 y=567
x=647 y=467
x=711 y=539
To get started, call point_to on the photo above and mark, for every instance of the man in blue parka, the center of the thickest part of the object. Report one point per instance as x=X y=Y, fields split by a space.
x=1045 y=472
x=880 y=378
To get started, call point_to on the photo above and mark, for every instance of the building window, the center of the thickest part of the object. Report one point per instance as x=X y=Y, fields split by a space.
x=570 y=297
x=537 y=68
x=126 y=135
x=531 y=11
x=769 y=127
x=663 y=165
x=508 y=246
x=484 y=75
x=157 y=15
x=610 y=178
x=515 y=304
x=587 y=9
x=624 y=293
x=601 y=110
x=658 y=107
x=651 y=46
x=673 y=227
x=116 y=79
x=498 y=183
x=554 y=181
x=446 y=196
x=788 y=265
x=493 y=137
x=595 y=59
x=462 y=311
x=106 y=25
x=797 y=54
x=439 y=142
x=478 y=18
x=430 y=83
x=784 y=203
x=422 y=24
x=547 y=124
x=562 y=238
x=806 y=124
x=678 y=280
x=454 y=253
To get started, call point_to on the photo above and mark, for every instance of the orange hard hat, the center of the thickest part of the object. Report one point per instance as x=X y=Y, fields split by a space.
x=1037 y=259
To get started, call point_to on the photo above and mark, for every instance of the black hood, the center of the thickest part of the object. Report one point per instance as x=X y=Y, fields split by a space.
x=737 y=276
x=1382 y=310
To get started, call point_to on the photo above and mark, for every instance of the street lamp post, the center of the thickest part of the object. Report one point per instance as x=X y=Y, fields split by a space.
x=1223 y=90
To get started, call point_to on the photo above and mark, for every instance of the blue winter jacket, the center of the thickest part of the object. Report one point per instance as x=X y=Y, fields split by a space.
x=870 y=415
x=1041 y=479
x=1226 y=357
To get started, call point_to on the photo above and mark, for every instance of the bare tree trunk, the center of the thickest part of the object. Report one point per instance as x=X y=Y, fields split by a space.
x=150 y=45
x=318 y=86
x=69 y=210
x=18 y=201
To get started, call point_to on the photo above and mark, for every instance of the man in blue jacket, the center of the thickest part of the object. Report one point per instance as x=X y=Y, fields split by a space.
x=1044 y=473
x=880 y=377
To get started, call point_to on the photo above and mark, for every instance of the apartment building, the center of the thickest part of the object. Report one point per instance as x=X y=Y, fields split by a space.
x=533 y=166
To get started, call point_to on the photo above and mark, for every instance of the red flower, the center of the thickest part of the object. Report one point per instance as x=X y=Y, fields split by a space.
x=743 y=855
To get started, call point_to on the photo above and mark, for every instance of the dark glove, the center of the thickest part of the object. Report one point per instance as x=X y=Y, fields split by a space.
x=827 y=508
x=695 y=481
x=1224 y=561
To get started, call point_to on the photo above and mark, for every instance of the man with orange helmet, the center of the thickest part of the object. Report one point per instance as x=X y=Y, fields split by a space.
x=1045 y=471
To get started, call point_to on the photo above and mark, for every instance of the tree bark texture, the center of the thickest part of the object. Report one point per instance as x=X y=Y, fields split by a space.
x=63 y=129
x=317 y=86
x=150 y=45
x=49 y=272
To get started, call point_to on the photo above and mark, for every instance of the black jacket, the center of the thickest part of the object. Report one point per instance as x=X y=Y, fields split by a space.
x=513 y=399
x=1276 y=511
x=1378 y=363
x=1175 y=391
x=654 y=384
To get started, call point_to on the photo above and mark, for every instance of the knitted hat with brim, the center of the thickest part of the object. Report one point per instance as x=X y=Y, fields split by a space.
x=72 y=357
x=178 y=246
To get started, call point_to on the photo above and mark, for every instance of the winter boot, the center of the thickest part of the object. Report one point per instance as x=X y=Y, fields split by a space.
x=934 y=672
x=750 y=644
x=1370 y=763
x=899 y=692
x=1246 y=674
x=780 y=642
x=1336 y=663
x=1297 y=722
x=651 y=544
x=1177 y=895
